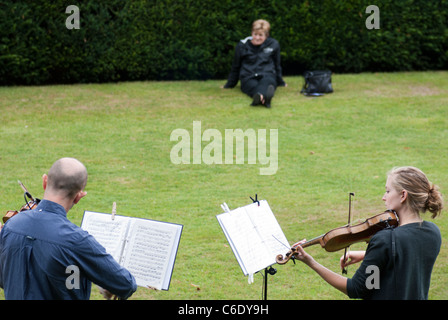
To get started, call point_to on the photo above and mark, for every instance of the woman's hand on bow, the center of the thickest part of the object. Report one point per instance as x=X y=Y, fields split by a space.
x=351 y=258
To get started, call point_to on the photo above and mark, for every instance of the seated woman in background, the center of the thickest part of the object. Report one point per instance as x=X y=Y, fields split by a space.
x=257 y=65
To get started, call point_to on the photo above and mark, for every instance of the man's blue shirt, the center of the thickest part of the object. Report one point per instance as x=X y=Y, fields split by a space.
x=45 y=256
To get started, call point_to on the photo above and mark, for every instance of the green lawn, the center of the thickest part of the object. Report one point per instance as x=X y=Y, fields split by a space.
x=327 y=147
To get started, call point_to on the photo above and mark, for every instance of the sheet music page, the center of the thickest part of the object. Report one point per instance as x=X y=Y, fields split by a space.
x=245 y=240
x=268 y=229
x=109 y=233
x=150 y=252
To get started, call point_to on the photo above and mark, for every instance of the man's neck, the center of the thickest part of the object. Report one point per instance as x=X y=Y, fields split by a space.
x=67 y=205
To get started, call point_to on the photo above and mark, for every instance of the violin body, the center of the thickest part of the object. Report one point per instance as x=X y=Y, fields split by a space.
x=29 y=206
x=345 y=236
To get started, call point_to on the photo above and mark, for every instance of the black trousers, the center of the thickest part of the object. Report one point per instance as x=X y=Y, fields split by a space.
x=258 y=84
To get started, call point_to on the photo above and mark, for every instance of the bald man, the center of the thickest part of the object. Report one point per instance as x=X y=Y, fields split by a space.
x=45 y=256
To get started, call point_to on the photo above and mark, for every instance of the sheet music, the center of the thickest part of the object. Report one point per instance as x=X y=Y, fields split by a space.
x=268 y=228
x=110 y=233
x=147 y=248
x=149 y=253
x=245 y=241
x=254 y=236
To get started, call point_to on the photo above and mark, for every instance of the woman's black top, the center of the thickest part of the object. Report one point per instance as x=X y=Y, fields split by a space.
x=255 y=62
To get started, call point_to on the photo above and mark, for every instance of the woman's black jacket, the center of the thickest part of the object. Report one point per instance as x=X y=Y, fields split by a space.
x=255 y=61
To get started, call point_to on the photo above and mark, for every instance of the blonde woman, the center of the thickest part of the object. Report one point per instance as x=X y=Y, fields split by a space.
x=398 y=262
x=257 y=65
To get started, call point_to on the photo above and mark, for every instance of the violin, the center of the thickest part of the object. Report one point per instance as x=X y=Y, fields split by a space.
x=29 y=204
x=343 y=237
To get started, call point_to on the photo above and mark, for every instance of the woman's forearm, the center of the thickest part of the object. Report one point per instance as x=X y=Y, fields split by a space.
x=334 y=279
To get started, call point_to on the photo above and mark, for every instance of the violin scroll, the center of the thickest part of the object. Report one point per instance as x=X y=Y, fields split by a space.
x=291 y=254
x=280 y=259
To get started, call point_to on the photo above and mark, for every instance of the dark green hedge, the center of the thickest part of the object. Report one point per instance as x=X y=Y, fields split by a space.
x=122 y=40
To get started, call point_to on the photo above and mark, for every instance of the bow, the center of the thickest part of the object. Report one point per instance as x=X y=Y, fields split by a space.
x=347 y=249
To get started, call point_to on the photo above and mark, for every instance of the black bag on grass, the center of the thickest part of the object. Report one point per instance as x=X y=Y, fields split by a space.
x=317 y=83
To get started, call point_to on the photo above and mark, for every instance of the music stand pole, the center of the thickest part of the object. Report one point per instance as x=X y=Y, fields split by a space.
x=267 y=271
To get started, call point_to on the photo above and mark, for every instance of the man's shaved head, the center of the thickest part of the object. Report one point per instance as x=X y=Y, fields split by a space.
x=67 y=177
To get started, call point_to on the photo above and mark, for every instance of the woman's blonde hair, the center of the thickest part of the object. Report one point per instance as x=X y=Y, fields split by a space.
x=262 y=25
x=422 y=194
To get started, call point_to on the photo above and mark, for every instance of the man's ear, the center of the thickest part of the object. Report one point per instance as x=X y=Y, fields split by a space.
x=44 y=181
x=79 y=196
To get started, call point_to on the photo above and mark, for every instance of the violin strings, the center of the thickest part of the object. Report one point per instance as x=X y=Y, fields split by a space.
x=281 y=242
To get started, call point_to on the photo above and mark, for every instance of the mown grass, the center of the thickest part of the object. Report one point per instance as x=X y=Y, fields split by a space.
x=328 y=146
